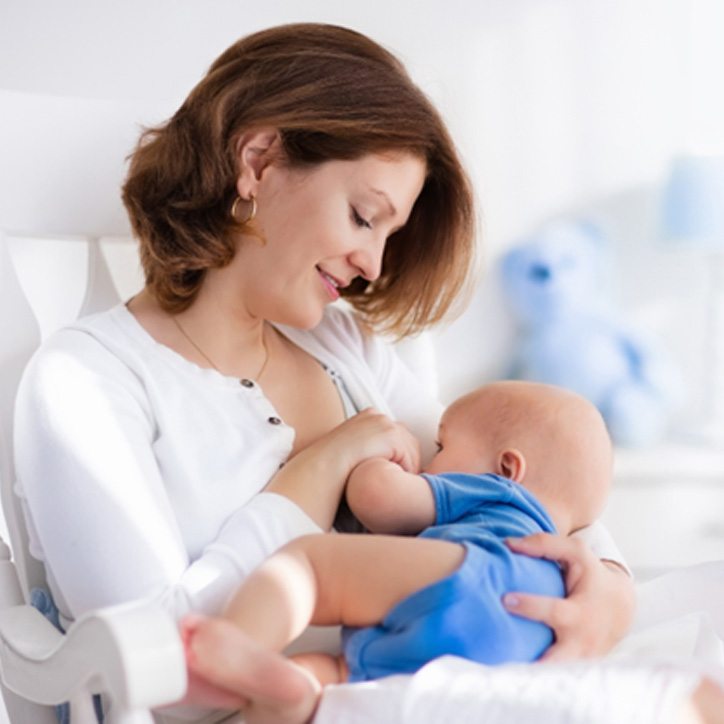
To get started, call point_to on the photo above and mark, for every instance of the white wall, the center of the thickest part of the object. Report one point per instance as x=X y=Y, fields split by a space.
x=557 y=105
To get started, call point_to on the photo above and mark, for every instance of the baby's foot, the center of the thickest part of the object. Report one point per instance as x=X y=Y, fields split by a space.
x=708 y=700
x=221 y=653
x=706 y=705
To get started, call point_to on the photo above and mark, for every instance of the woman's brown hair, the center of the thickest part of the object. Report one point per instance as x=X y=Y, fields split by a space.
x=332 y=94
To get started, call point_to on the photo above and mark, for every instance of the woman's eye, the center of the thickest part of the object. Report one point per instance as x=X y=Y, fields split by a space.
x=363 y=223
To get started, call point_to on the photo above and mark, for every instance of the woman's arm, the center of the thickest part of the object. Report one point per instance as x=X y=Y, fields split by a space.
x=104 y=517
x=315 y=478
x=599 y=605
x=387 y=499
x=143 y=487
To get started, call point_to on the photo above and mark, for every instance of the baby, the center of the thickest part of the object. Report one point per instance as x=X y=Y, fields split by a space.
x=514 y=458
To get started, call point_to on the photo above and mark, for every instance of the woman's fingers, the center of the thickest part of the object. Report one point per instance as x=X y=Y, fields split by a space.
x=572 y=554
x=562 y=615
x=409 y=456
x=558 y=613
x=563 y=549
x=598 y=606
x=376 y=435
x=563 y=652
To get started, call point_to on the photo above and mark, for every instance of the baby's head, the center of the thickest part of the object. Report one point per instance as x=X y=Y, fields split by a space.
x=552 y=441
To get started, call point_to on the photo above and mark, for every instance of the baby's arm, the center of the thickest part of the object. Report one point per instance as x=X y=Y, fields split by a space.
x=386 y=499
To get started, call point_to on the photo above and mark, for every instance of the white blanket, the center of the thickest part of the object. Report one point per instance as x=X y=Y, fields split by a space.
x=677 y=636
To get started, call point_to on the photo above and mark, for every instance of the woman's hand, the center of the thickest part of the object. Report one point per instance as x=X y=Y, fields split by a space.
x=314 y=478
x=370 y=434
x=599 y=604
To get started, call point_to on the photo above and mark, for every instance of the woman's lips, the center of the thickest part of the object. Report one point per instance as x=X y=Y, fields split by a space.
x=330 y=284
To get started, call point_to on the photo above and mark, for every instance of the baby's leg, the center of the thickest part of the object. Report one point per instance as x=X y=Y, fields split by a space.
x=319 y=579
x=325 y=668
x=336 y=579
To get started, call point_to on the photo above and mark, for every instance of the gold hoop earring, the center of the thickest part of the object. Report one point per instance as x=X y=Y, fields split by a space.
x=252 y=211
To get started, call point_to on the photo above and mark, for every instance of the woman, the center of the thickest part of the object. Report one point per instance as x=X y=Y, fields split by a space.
x=192 y=431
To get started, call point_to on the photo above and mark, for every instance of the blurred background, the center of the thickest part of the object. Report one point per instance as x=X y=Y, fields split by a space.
x=563 y=110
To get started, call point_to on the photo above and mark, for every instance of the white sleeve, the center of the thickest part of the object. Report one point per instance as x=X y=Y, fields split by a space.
x=601 y=542
x=101 y=517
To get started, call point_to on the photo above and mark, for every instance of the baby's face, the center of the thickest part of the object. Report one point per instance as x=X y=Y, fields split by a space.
x=462 y=445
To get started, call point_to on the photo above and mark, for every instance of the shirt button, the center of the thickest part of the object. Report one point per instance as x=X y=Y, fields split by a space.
x=246 y=383
x=274 y=421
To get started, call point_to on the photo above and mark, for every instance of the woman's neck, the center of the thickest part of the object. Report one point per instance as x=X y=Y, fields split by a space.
x=211 y=332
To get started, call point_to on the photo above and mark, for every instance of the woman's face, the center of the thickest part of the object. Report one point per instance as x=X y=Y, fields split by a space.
x=322 y=228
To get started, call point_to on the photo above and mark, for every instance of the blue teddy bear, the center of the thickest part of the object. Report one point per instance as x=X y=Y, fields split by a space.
x=571 y=339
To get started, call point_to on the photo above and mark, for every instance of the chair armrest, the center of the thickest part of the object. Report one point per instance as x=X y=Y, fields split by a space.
x=132 y=653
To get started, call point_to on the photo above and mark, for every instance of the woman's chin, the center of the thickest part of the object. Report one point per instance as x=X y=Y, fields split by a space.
x=303 y=319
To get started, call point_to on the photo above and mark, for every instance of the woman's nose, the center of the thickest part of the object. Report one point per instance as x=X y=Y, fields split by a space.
x=368 y=259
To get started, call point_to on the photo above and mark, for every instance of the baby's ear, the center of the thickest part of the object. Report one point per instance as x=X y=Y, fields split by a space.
x=511 y=464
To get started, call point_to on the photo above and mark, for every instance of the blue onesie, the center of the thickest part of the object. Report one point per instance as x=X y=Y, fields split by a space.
x=463 y=614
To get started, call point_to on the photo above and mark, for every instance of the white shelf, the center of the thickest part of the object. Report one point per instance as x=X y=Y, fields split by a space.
x=669 y=462
x=666 y=507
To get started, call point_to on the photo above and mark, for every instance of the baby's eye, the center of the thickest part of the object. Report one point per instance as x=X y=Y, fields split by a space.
x=363 y=223
x=439 y=445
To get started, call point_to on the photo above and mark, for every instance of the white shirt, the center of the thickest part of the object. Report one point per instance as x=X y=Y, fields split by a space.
x=141 y=474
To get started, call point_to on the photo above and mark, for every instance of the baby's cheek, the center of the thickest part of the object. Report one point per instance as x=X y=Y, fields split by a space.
x=435 y=466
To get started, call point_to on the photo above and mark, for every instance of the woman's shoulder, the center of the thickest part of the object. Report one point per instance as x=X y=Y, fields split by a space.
x=94 y=341
x=90 y=362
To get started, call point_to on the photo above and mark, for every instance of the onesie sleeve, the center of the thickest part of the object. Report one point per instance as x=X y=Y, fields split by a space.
x=457 y=495
x=100 y=516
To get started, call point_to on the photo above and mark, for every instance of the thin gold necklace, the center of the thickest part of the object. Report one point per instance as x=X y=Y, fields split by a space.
x=210 y=361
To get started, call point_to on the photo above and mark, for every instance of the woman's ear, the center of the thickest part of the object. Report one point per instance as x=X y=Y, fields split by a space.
x=255 y=150
x=511 y=465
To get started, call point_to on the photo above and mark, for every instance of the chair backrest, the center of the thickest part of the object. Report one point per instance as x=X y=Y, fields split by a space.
x=61 y=166
x=20 y=336
x=29 y=312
